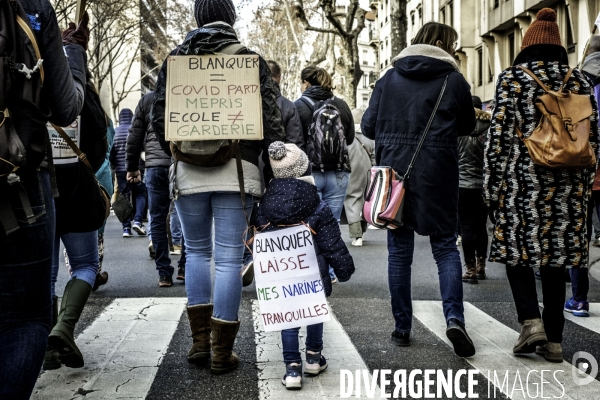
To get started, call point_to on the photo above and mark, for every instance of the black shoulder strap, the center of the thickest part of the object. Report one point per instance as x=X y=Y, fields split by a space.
x=420 y=145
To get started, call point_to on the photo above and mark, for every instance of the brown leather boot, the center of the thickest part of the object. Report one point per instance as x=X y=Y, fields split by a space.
x=224 y=358
x=552 y=352
x=199 y=316
x=471 y=275
x=532 y=335
x=481 y=268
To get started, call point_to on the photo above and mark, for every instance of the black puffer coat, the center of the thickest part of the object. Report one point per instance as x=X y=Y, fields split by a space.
x=290 y=201
x=470 y=153
x=398 y=112
x=142 y=138
x=316 y=94
x=210 y=39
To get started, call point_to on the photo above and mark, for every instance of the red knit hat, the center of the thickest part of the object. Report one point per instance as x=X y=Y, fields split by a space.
x=543 y=30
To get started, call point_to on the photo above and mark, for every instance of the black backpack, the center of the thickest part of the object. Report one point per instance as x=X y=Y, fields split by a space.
x=23 y=133
x=326 y=143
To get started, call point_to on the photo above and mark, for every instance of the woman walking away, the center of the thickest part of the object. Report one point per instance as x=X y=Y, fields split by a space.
x=472 y=211
x=207 y=195
x=323 y=114
x=292 y=199
x=362 y=158
x=540 y=212
x=402 y=103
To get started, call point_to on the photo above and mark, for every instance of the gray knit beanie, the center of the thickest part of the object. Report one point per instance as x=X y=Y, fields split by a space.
x=287 y=160
x=207 y=11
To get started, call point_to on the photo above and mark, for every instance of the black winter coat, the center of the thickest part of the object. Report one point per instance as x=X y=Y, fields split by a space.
x=398 y=112
x=470 y=152
x=142 y=138
x=119 y=149
x=290 y=201
x=316 y=94
x=210 y=39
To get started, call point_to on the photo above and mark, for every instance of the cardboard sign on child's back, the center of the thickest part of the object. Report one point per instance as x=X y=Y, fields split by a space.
x=213 y=97
x=288 y=282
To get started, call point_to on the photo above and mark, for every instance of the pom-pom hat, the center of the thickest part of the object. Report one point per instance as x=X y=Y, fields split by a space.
x=544 y=30
x=287 y=160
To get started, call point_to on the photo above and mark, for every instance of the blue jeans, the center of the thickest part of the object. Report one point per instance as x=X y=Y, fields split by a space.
x=157 y=182
x=580 y=283
x=175 y=227
x=289 y=341
x=82 y=249
x=138 y=191
x=197 y=212
x=332 y=187
x=401 y=243
x=25 y=302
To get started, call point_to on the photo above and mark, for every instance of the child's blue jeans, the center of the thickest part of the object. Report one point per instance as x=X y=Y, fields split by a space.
x=291 y=349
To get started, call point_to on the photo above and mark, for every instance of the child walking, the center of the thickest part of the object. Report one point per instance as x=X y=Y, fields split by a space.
x=291 y=198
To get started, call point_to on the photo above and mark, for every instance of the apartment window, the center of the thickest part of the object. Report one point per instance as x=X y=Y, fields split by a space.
x=496 y=3
x=387 y=61
x=450 y=14
x=511 y=47
x=381 y=66
x=365 y=99
x=412 y=18
x=443 y=15
x=490 y=73
x=479 y=67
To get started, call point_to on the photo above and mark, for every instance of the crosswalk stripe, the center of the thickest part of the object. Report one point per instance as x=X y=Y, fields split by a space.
x=592 y=322
x=493 y=342
x=338 y=349
x=123 y=349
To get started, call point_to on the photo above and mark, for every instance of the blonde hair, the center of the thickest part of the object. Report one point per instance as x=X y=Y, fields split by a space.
x=317 y=77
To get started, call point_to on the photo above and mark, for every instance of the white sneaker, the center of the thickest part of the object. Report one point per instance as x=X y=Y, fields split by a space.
x=459 y=240
x=176 y=250
x=357 y=242
x=139 y=229
x=315 y=363
x=372 y=227
x=292 y=380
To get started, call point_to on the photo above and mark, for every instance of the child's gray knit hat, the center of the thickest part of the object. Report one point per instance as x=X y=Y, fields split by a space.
x=287 y=160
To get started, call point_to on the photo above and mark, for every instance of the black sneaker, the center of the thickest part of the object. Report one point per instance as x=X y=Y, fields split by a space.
x=165 y=281
x=292 y=380
x=181 y=273
x=401 y=339
x=315 y=363
x=463 y=345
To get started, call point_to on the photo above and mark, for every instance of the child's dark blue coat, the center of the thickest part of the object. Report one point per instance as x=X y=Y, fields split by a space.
x=289 y=201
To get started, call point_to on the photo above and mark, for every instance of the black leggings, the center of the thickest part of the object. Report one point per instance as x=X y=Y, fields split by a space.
x=522 y=285
x=472 y=214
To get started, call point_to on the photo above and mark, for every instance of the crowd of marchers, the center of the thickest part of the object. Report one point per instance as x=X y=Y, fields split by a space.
x=528 y=166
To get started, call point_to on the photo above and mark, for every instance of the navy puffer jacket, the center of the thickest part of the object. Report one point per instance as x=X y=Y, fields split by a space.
x=118 y=153
x=290 y=201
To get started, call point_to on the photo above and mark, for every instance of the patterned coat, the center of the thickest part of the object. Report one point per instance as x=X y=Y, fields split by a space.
x=540 y=213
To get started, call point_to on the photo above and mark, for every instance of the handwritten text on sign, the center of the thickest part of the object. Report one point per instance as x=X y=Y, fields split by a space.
x=213 y=97
x=288 y=282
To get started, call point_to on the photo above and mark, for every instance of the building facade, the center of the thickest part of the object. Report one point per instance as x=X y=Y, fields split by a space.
x=368 y=57
x=490 y=31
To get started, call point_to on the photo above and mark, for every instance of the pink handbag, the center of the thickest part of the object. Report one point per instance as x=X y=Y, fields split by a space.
x=384 y=198
x=385 y=191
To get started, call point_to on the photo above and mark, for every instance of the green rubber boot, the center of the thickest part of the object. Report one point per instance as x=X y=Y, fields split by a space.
x=61 y=338
x=51 y=360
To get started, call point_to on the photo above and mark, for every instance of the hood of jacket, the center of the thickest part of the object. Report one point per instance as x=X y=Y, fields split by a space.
x=317 y=93
x=591 y=67
x=424 y=62
x=289 y=201
x=125 y=117
x=210 y=38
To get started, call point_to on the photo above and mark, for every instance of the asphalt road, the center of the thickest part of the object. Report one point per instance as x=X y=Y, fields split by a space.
x=361 y=305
